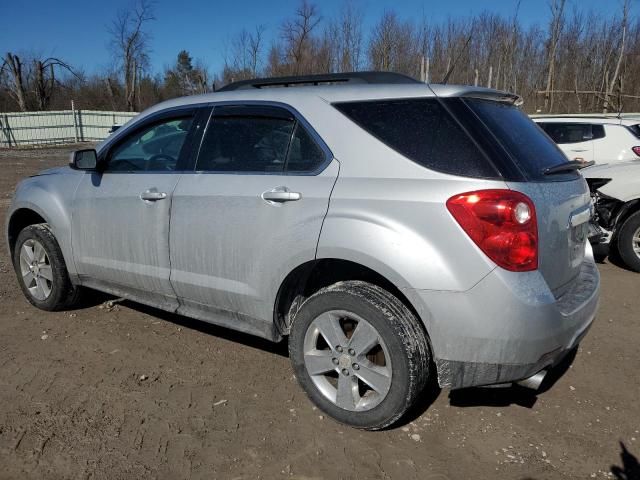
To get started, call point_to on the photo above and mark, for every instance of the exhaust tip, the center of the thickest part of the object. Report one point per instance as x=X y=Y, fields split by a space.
x=534 y=381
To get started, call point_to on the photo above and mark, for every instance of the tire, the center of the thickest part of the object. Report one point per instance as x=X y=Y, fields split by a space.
x=628 y=238
x=335 y=380
x=53 y=293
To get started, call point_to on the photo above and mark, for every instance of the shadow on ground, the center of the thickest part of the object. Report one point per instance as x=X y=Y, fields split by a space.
x=630 y=469
x=211 y=329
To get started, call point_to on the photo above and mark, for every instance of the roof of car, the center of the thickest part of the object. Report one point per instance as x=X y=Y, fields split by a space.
x=337 y=93
x=610 y=119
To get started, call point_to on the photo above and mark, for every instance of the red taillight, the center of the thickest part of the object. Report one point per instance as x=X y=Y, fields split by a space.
x=502 y=223
x=636 y=150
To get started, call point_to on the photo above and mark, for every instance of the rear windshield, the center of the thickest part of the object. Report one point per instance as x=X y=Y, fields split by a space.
x=525 y=142
x=424 y=132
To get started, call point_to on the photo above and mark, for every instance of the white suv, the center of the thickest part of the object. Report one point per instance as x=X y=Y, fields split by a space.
x=601 y=139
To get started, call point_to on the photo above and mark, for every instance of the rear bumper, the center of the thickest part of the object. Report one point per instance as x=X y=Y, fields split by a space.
x=507 y=327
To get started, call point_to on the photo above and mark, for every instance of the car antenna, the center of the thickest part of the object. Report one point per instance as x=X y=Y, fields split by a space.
x=455 y=62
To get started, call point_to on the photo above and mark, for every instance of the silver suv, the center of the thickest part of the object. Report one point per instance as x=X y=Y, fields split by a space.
x=397 y=233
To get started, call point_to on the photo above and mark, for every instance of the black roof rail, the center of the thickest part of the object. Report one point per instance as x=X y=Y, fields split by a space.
x=340 y=78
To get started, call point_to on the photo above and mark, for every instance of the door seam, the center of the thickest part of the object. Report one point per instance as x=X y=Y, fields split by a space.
x=326 y=213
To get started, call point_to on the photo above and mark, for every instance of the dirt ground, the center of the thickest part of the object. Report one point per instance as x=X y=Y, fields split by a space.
x=133 y=392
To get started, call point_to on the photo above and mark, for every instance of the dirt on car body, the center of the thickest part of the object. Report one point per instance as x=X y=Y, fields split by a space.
x=125 y=391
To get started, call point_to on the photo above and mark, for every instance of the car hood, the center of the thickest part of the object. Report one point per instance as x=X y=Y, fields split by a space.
x=64 y=170
x=624 y=176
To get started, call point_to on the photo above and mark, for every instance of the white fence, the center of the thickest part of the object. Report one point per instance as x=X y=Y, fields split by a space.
x=64 y=126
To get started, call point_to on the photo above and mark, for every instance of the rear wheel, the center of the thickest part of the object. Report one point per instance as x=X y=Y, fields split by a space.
x=359 y=353
x=41 y=270
x=628 y=242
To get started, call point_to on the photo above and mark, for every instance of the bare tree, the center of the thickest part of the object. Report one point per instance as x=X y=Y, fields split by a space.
x=297 y=38
x=16 y=83
x=612 y=82
x=346 y=38
x=395 y=45
x=130 y=46
x=555 y=30
x=242 y=59
x=45 y=79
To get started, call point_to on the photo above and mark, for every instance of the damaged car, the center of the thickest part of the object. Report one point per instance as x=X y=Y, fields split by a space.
x=397 y=234
x=615 y=226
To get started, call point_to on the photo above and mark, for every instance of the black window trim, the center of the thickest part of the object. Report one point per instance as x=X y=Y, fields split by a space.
x=297 y=118
x=186 y=151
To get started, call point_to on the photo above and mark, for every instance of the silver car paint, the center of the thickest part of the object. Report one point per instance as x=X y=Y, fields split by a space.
x=50 y=195
x=244 y=246
x=385 y=212
x=119 y=239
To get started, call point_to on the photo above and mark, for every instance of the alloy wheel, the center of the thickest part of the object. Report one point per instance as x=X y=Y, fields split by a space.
x=347 y=360
x=35 y=269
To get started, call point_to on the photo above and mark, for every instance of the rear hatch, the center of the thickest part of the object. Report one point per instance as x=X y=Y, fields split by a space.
x=562 y=199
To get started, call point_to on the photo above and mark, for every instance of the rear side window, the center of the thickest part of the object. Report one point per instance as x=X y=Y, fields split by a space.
x=597 y=131
x=305 y=155
x=423 y=131
x=258 y=139
x=521 y=138
x=563 y=133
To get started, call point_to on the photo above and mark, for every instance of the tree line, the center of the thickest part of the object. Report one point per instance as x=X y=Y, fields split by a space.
x=576 y=62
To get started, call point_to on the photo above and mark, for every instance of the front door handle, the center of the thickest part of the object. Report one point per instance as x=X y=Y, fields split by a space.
x=152 y=195
x=281 y=195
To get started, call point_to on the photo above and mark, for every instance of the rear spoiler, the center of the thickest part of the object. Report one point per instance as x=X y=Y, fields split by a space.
x=476 y=92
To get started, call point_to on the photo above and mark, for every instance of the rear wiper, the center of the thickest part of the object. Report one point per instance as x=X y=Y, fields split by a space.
x=567 y=167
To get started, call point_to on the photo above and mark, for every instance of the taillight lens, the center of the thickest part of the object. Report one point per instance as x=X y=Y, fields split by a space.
x=636 y=150
x=502 y=223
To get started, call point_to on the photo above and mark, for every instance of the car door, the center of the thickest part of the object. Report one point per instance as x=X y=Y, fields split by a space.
x=574 y=139
x=249 y=214
x=120 y=218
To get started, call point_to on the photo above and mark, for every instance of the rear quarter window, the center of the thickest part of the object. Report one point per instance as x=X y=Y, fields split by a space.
x=422 y=131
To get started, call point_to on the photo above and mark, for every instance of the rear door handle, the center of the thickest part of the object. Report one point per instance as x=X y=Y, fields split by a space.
x=152 y=195
x=281 y=195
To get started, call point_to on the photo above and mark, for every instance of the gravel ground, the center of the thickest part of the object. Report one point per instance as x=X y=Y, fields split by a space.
x=132 y=392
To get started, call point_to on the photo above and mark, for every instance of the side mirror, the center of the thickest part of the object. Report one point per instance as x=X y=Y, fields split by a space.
x=84 y=159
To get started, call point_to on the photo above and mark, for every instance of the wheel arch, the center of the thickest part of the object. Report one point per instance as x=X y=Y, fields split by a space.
x=311 y=276
x=626 y=210
x=25 y=213
x=19 y=220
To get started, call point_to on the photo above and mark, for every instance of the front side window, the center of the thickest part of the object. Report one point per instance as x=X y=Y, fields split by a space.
x=154 y=148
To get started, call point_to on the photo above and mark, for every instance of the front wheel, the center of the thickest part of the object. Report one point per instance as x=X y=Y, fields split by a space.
x=360 y=354
x=41 y=270
x=628 y=242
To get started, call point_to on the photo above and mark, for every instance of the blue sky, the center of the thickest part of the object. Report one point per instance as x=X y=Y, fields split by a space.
x=76 y=30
